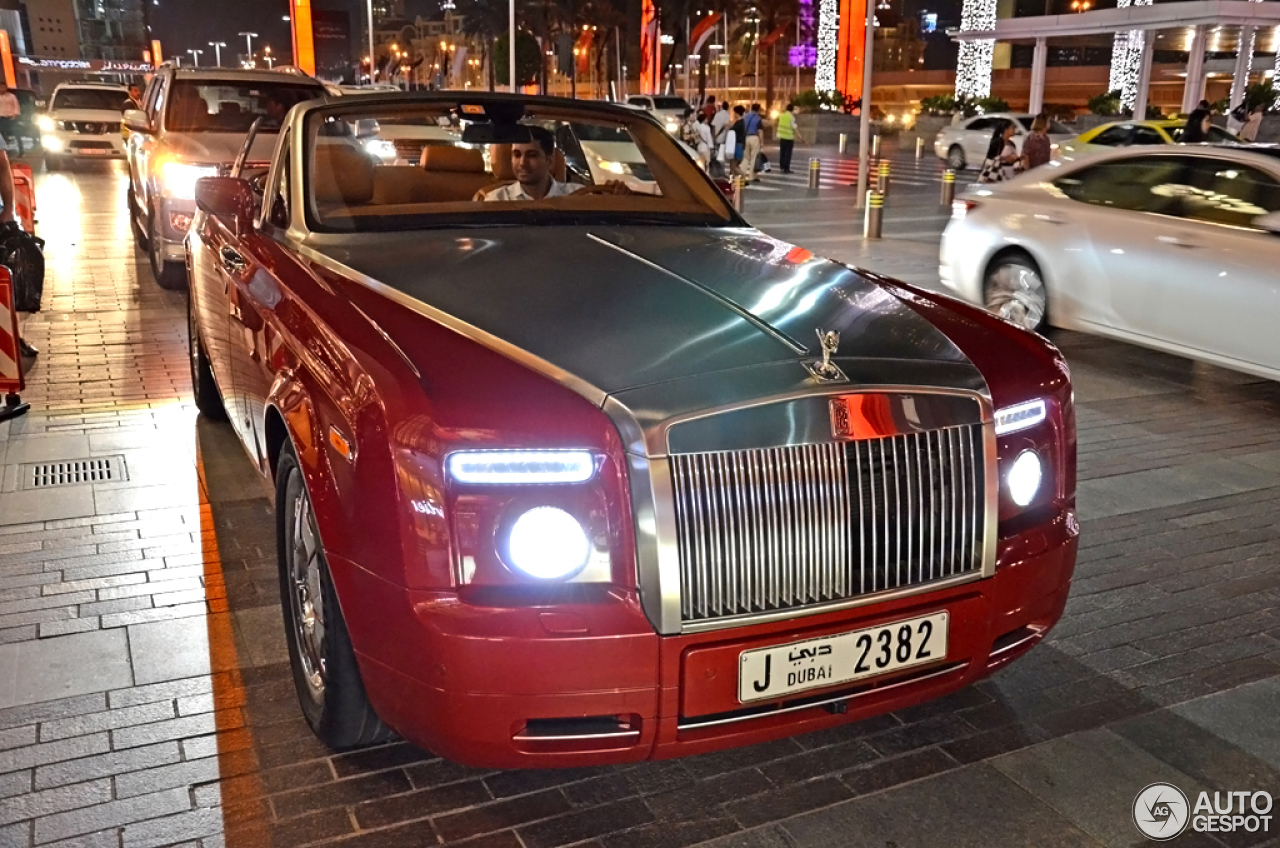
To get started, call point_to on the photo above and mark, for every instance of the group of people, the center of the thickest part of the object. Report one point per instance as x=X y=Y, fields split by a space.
x=1241 y=121
x=732 y=137
x=1004 y=160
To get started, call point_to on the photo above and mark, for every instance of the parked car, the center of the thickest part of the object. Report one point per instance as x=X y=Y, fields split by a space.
x=1134 y=134
x=82 y=122
x=964 y=145
x=191 y=125
x=668 y=109
x=610 y=476
x=1173 y=248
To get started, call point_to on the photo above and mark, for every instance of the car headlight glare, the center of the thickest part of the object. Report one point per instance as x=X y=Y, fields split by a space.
x=45 y=123
x=522 y=467
x=614 y=167
x=1024 y=478
x=1020 y=416
x=52 y=143
x=547 y=543
x=380 y=147
x=179 y=178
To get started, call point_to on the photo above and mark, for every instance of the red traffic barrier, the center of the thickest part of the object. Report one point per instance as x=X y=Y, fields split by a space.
x=24 y=189
x=11 y=382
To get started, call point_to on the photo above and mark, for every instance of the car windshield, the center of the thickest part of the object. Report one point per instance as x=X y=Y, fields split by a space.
x=670 y=103
x=1055 y=128
x=499 y=163
x=108 y=99
x=232 y=107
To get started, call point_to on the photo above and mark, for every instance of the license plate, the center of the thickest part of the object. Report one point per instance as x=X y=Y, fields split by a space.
x=783 y=669
x=93 y=151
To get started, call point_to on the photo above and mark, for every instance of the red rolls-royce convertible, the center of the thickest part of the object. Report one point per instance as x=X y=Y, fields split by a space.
x=571 y=473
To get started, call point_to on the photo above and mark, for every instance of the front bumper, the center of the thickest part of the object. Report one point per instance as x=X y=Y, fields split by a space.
x=174 y=220
x=83 y=145
x=528 y=687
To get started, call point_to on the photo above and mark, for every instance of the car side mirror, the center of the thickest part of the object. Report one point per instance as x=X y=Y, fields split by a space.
x=137 y=120
x=229 y=199
x=1269 y=222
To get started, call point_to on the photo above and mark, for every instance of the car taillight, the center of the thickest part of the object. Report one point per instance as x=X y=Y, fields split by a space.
x=960 y=208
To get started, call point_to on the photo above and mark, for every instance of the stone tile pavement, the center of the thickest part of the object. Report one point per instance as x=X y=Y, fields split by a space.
x=145 y=698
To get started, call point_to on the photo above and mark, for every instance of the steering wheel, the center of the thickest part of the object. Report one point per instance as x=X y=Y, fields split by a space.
x=611 y=187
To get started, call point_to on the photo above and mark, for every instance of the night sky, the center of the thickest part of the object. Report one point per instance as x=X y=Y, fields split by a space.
x=184 y=24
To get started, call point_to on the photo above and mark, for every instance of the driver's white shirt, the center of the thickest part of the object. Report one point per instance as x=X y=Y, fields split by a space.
x=515 y=191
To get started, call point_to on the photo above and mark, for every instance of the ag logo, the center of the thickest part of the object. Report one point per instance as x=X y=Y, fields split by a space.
x=1161 y=812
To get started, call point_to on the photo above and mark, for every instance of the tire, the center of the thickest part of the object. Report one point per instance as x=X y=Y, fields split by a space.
x=208 y=398
x=1014 y=289
x=325 y=673
x=169 y=275
x=139 y=235
x=955 y=158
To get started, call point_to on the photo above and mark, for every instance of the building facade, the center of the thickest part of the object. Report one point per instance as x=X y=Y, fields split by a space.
x=87 y=29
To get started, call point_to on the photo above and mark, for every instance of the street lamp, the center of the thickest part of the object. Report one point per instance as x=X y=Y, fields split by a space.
x=267 y=57
x=248 y=42
x=195 y=56
x=217 y=51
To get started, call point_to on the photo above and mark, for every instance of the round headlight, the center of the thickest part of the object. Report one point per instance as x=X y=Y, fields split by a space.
x=1024 y=478
x=548 y=543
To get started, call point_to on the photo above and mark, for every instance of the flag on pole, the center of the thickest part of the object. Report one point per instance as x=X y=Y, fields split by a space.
x=771 y=38
x=702 y=32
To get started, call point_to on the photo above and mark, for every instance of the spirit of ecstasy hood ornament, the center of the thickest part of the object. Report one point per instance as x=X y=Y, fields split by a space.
x=825 y=370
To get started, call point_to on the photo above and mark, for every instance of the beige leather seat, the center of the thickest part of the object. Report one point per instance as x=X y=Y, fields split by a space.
x=342 y=176
x=456 y=173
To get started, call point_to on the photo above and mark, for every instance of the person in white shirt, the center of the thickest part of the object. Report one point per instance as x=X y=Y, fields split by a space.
x=531 y=160
x=720 y=124
x=702 y=133
x=10 y=110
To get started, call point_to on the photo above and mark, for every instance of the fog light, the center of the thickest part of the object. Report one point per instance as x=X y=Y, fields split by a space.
x=180 y=221
x=548 y=543
x=52 y=143
x=1024 y=477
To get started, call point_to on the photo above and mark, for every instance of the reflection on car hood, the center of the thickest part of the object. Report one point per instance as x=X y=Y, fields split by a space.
x=621 y=308
x=211 y=147
x=96 y=116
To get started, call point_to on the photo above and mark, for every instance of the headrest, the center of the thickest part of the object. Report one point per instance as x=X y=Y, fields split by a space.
x=457 y=160
x=343 y=174
x=559 y=169
x=500 y=162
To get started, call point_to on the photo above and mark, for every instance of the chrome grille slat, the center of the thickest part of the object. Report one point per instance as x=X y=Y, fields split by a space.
x=771 y=529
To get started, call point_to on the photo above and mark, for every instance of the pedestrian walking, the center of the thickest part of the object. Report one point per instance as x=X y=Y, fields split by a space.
x=709 y=106
x=788 y=133
x=735 y=140
x=1249 y=132
x=10 y=110
x=1196 y=129
x=1003 y=159
x=752 y=123
x=1037 y=149
x=703 y=143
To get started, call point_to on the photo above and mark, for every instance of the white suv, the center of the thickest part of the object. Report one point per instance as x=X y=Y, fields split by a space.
x=82 y=122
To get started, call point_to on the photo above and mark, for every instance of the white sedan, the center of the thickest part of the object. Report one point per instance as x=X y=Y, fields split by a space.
x=964 y=145
x=1175 y=248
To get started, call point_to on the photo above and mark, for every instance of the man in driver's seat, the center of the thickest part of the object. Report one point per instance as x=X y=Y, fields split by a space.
x=531 y=161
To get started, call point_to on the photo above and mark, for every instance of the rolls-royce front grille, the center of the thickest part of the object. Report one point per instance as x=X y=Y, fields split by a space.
x=781 y=528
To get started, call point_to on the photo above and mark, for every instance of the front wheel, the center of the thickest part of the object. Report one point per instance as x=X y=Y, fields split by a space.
x=325 y=673
x=955 y=158
x=139 y=235
x=208 y=398
x=1014 y=289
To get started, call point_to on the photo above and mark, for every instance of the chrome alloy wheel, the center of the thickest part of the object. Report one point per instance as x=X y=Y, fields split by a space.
x=307 y=598
x=1016 y=292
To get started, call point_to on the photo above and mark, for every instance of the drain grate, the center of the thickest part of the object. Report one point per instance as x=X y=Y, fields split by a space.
x=73 y=472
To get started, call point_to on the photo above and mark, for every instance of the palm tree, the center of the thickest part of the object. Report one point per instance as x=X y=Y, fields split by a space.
x=773 y=14
x=484 y=20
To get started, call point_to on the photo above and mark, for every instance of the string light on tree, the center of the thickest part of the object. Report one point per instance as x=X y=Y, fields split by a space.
x=1275 y=39
x=973 y=69
x=1119 y=54
x=828 y=37
x=1132 y=67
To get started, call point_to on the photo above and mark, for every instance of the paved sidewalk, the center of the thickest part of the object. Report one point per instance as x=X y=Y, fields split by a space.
x=145 y=697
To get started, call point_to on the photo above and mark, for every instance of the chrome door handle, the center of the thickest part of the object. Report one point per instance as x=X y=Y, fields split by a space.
x=232 y=261
x=1176 y=241
x=1050 y=219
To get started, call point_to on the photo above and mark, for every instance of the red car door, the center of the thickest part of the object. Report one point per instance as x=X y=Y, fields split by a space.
x=209 y=304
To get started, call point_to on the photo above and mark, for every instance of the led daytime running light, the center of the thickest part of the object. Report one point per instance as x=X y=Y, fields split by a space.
x=1011 y=419
x=522 y=467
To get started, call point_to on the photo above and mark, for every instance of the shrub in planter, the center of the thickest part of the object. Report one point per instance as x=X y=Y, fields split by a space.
x=1107 y=103
x=938 y=105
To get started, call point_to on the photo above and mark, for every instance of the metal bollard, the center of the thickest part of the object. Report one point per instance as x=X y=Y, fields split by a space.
x=815 y=173
x=920 y=147
x=874 y=220
x=882 y=178
x=844 y=142
x=875 y=145
x=948 y=188
x=739 y=192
